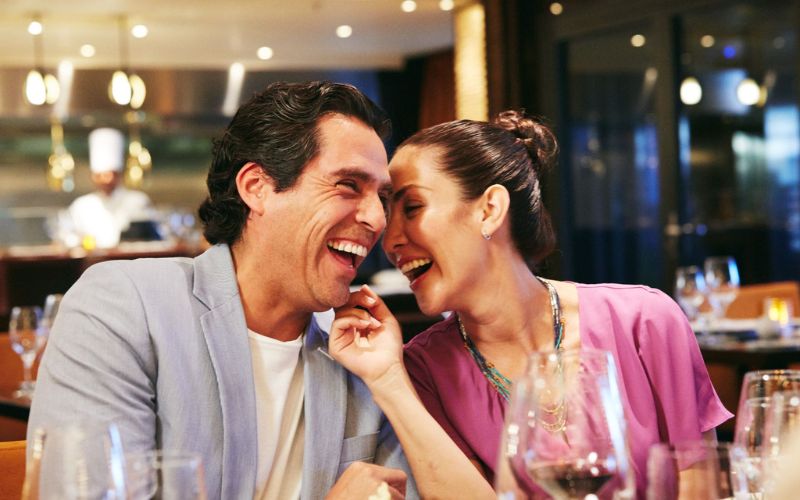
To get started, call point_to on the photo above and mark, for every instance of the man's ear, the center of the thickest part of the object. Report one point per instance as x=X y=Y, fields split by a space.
x=494 y=205
x=254 y=186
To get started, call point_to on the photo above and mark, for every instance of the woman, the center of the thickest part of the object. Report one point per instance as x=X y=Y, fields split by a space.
x=467 y=227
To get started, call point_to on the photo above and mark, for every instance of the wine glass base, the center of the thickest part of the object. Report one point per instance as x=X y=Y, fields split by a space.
x=25 y=390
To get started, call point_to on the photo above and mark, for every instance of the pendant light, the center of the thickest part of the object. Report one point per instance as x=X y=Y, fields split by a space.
x=40 y=87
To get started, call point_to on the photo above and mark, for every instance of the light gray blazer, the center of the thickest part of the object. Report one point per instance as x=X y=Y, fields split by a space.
x=160 y=347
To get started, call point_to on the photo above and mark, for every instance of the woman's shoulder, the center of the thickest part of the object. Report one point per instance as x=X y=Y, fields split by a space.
x=622 y=299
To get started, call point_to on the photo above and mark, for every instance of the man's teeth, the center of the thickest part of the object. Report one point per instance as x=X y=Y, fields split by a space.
x=346 y=246
x=413 y=264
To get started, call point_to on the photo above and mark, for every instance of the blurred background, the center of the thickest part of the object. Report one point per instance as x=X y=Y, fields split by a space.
x=678 y=119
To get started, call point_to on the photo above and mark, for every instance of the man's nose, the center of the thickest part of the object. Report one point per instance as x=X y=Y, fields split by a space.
x=371 y=213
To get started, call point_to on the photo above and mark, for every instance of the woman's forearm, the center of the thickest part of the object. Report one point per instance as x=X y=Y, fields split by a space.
x=440 y=468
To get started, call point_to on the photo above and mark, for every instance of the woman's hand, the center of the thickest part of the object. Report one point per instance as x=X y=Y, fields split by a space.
x=365 y=337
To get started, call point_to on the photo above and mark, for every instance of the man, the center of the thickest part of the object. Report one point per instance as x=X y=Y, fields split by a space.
x=222 y=354
x=107 y=212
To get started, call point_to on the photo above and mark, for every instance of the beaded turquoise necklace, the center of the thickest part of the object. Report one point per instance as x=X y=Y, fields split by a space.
x=499 y=381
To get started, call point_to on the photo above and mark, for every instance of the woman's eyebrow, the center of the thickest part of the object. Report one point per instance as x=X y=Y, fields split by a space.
x=402 y=191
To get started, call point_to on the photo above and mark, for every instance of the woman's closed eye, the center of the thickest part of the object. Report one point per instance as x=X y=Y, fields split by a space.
x=410 y=209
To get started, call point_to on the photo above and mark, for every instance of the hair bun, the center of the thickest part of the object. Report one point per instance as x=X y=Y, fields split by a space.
x=538 y=138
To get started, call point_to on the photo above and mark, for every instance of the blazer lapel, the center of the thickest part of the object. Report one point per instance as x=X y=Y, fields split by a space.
x=225 y=332
x=325 y=408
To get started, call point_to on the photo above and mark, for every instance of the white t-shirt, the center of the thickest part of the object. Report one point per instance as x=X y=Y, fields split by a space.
x=278 y=376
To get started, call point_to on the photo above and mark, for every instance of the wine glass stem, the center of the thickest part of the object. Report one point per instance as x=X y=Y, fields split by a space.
x=27 y=365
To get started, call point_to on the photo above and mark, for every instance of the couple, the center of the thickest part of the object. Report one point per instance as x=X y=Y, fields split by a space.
x=224 y=354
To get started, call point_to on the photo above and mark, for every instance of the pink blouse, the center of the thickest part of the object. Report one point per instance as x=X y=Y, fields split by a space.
x=666 y=392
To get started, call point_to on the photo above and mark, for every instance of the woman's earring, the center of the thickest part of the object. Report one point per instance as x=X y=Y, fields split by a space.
x=486 y=236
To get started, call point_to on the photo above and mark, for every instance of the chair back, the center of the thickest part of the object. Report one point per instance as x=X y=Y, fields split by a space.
x=12 y=465
x=749 y=302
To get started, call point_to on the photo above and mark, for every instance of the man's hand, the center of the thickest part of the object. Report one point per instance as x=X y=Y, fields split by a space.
x=361 y=480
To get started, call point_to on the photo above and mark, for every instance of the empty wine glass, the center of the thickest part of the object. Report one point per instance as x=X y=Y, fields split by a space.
x=690 y=290
x=696 y=470
x=75 y=461
x=165 y=475
x=749 y=434
x=781 y=426
x=755 y=401
x=27 y=336
x=565 y=431
x=722 y=280
x=51 y=304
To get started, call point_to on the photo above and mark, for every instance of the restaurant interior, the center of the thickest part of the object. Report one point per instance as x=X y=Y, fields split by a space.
x=678 y=123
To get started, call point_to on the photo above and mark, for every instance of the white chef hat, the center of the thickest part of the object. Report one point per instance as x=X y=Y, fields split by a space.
x=106 y=150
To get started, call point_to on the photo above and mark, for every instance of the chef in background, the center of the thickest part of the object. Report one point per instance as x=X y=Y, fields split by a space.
x=99 y=218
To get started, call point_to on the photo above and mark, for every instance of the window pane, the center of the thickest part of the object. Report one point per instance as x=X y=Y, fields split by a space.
x=612 y=153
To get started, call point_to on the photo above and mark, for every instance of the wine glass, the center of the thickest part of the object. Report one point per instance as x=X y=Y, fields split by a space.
x=165 y=475
x=75 y=461
x=755 y=401
x=697 y=470
x=722 y=279
x=690 y=290
x=781 y=427
x=565 y=434
x=27 y=336
x=51 y=305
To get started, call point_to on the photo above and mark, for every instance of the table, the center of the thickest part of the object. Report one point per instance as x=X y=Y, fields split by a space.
x=729 y=357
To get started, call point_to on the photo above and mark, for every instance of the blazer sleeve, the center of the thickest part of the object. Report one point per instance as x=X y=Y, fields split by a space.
x=98 y=365
x=390 y=454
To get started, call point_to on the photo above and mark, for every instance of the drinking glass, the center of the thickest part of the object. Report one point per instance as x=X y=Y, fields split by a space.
x=755 y=401
x=722 y=280
x=51 y=304
x=781 y=427
x=27 y=336
x=76 y=462
x=565 y=433
x=696 y=470
x=165 y=475
x=690 y=290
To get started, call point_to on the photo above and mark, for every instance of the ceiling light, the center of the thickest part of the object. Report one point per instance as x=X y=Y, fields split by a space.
x=691 y=91
x=748 y=92
x=40 y=87
x=120 y=89
x=446 y=5
x=638 y=40
x=556 y=8
x=87 y=50
x=138 y=91
x=408 y=6
x=35 y=90
x=264 y=53
x=707 y=41
x=139 y=31
x=126 y=88
x=729 y=52
x=35 y=28
x=344 y=31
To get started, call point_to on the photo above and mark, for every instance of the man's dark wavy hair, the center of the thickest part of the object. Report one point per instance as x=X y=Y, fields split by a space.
x=276 y=129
